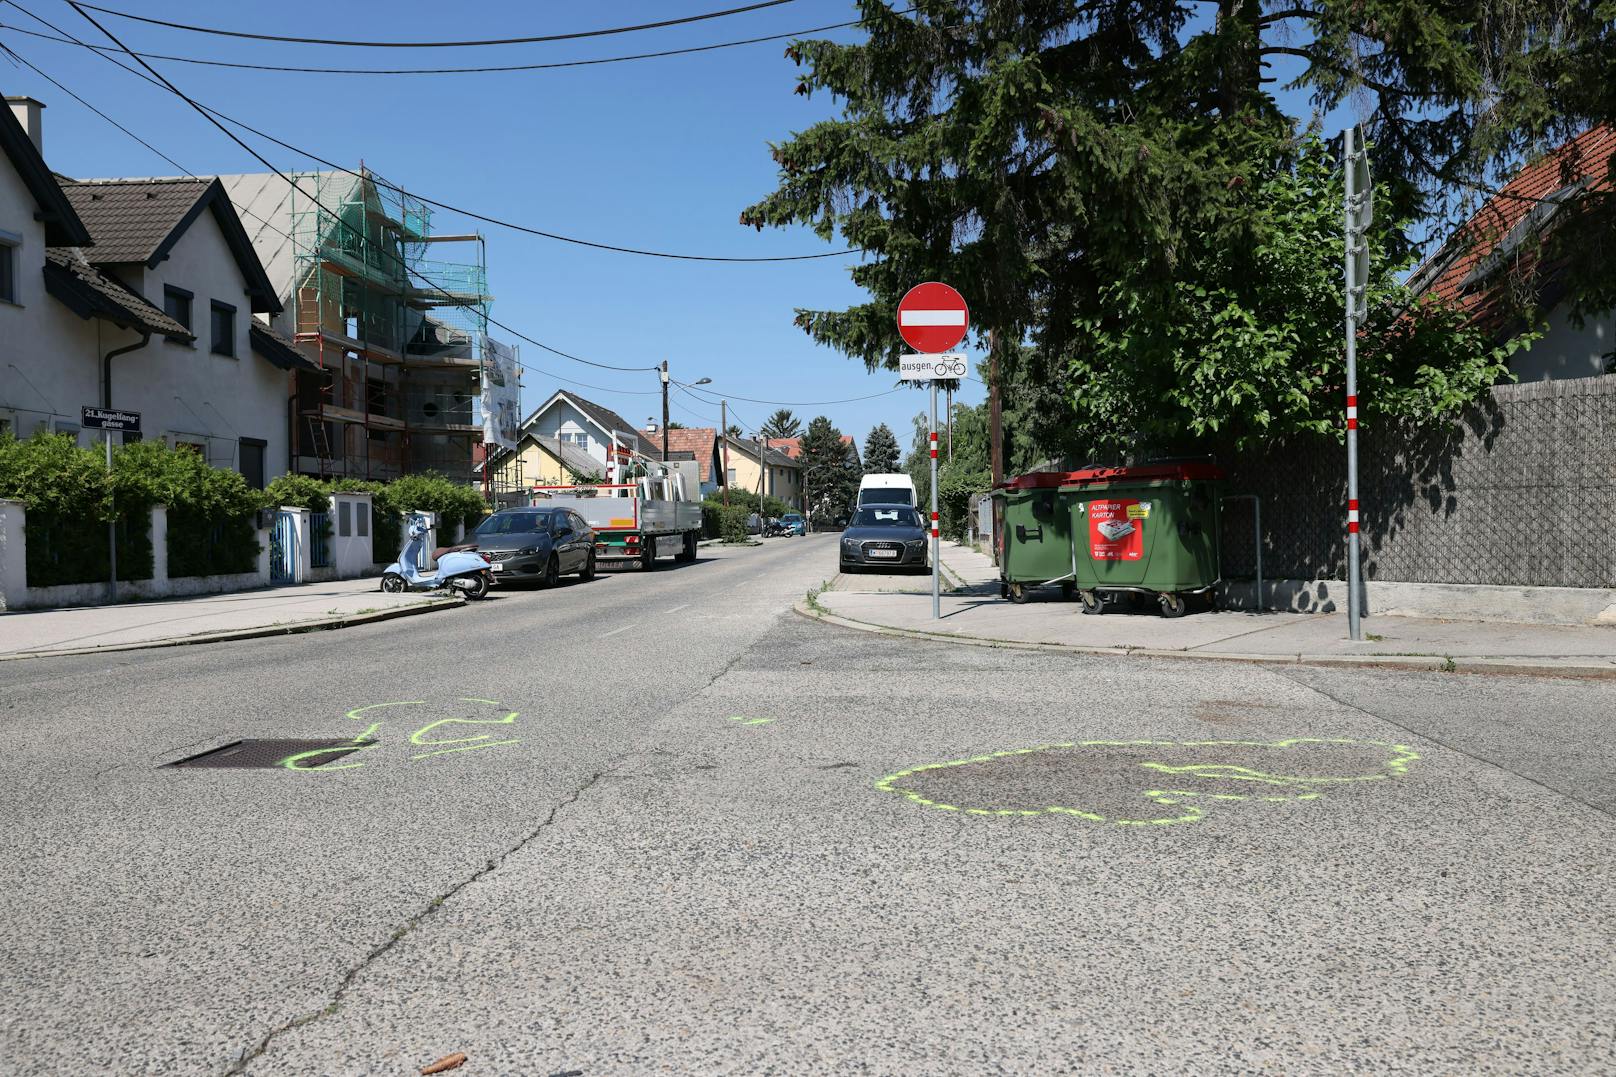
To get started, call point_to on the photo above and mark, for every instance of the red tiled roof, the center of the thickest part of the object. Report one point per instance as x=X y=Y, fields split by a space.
x=697 y=440
x=792 y=447
x=1464 y=272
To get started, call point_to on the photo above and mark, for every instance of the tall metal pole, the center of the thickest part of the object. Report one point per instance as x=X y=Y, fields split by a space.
x=665 y=413
x=949 y=409
x=723 y=437
x=1353 y=238
x=112 y=531
x=936 y=541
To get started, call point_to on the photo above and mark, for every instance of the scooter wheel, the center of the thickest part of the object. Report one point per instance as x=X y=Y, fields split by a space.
x=392 y=583
x=477 y=586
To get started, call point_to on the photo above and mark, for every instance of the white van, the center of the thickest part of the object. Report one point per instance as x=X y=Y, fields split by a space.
x=889 y=489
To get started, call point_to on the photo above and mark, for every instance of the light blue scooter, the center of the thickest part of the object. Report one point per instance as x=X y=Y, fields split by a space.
x=463 y=571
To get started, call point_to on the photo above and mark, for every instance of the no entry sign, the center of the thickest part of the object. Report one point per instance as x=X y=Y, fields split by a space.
x=933 y=317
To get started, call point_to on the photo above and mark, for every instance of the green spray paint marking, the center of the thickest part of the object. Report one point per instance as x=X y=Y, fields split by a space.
x=1396 y=765
x=372 y=735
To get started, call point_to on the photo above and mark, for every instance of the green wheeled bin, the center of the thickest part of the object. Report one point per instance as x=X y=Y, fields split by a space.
x=1035 y=534
x=1147 y=530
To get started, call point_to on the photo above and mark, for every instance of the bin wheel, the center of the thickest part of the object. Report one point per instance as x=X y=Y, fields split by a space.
x=1016 y=592
x=1172 y=605
x=1068 y=589
x=1092 y=602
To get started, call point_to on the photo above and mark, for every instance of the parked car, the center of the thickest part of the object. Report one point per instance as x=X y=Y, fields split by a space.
x=536 y=545
x=888 y=537
x=794 y=523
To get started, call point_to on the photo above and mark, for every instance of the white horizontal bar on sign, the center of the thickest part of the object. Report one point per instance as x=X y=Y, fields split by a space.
x=931 y=317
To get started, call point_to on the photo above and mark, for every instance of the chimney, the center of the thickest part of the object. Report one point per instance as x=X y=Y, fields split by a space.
x=27 y=110
x=650 y=426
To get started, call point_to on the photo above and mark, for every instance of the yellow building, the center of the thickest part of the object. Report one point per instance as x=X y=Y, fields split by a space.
x=540 y=461
x=754 y=468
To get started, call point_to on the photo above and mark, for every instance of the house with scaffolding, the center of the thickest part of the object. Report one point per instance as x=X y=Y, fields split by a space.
x=393 y=315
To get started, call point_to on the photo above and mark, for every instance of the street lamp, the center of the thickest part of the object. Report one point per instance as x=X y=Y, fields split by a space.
x=704 y=381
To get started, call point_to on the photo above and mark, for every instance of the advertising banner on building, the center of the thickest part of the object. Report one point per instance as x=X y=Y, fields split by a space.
x=501 y=395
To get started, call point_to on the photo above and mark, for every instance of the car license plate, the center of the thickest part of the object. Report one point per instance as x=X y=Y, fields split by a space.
x=497 y=567
x=883 y=553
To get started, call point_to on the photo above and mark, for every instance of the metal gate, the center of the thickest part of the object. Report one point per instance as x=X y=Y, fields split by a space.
x=283 y=551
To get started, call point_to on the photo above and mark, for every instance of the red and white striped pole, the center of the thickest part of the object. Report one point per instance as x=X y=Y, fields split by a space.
x=936 y=541
x=1354 y=237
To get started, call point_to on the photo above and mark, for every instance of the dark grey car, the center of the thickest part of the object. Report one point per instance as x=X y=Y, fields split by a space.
x=536 y=545
x=888 y=537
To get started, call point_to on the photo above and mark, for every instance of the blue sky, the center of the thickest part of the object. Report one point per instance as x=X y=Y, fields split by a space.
x=659 y=154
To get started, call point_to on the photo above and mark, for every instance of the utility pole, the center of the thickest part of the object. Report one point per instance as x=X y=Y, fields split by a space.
x=723 y=437
x=665 y=413
x=951 y=422
x=1358 y=211
x=936 y=543
x=995 y=436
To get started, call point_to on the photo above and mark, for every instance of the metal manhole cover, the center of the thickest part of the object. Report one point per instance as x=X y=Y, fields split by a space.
x=273 y=753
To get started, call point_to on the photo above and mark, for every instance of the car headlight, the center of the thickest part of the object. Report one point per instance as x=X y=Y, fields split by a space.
x=849 y=544
x=527 y=551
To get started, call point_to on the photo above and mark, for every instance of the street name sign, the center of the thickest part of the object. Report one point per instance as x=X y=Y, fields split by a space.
x=933 y=317
x=109 y=419
x=946 y=366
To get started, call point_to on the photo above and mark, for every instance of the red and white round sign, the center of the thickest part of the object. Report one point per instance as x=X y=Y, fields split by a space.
x=933 y=317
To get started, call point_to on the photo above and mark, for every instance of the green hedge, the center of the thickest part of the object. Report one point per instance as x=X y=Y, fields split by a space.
x=70 y=498
x=427 y=492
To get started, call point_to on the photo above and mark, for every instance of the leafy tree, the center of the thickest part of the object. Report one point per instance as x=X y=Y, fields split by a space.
x=782 y=424
x=675 y=424
x=1078 y=171
x=733 y=430
x=828 y=474
x=880 y=451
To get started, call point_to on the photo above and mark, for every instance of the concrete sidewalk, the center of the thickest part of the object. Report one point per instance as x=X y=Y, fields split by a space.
x=975 y=613
x=207 y=618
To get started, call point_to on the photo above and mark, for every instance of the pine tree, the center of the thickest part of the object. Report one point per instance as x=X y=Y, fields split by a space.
x=1093 y=174
x=829 y=477
x=881 y=451
x=782 y=424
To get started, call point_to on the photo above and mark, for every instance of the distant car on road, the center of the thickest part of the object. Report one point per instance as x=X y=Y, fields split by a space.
x=888 y=537
x=537 y=545
x=794 y=523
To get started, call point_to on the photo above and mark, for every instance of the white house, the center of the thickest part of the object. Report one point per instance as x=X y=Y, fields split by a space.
x=137 y=295
x=602 y=433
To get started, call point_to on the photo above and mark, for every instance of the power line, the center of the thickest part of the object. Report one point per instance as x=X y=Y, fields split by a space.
x=209 y=113
x=809 y=403
x=445 y=70
x=430 y=44
x=522 y=336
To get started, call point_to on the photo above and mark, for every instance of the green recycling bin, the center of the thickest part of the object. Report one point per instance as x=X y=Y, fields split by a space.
x=1146 y=530
x=1035 y=534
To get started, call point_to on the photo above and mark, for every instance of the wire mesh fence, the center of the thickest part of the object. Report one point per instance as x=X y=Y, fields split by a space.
x=1522 y=491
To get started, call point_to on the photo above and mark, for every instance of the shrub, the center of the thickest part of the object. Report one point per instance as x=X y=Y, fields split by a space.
x=431 y=492
x=301 y=492
x=732 y=523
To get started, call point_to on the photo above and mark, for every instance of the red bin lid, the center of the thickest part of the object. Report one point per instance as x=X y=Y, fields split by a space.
x=1180 y=471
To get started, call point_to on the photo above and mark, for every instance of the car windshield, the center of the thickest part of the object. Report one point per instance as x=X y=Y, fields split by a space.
x=885 y=495
x=791 y=517
x=896 y=516
x=514 y=523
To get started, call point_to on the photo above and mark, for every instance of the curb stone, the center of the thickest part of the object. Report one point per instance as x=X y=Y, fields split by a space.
x=1418 y=663
x=291 y=628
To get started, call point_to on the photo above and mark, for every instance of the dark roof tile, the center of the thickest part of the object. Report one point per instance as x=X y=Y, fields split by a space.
x=90 y=293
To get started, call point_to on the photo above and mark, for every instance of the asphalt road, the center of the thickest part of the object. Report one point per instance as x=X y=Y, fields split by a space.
x=713 y=839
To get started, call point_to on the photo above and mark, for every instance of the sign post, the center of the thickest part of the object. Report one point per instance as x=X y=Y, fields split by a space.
x=932 y=318
x=1358 y=213
x=107 y=420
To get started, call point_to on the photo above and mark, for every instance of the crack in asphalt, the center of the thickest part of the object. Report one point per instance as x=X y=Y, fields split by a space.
x=245 y=1057
x=1545 y=786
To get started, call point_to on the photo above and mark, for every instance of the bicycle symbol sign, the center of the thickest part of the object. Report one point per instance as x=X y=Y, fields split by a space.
x=932 y=367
